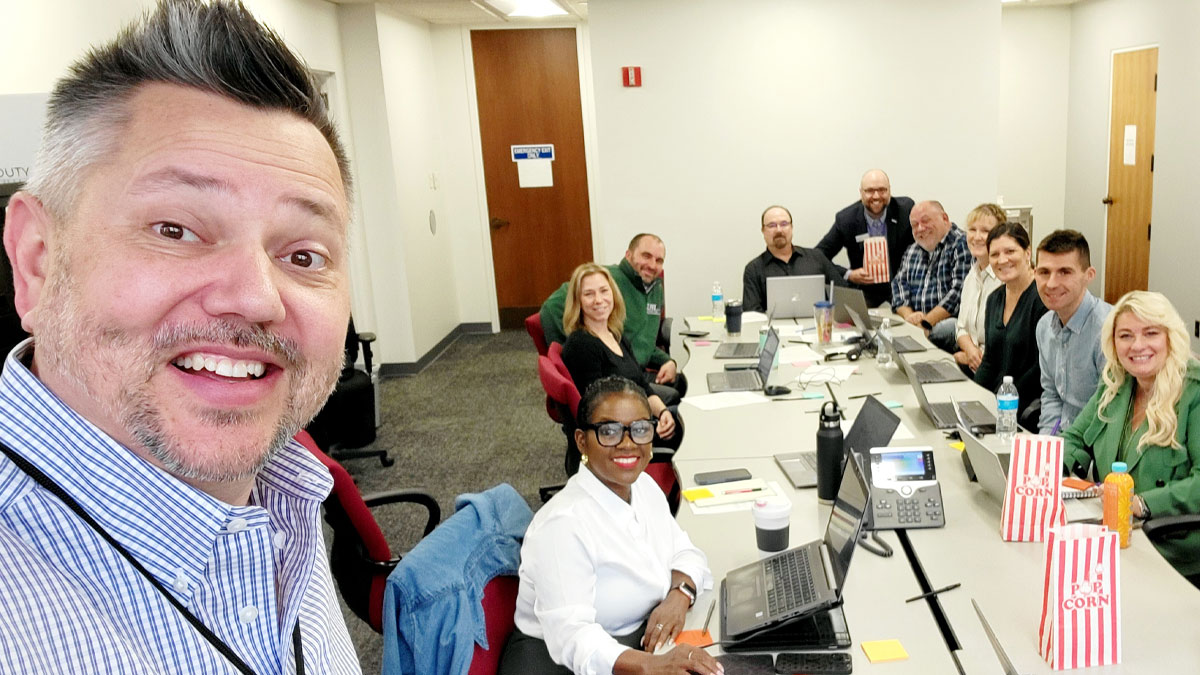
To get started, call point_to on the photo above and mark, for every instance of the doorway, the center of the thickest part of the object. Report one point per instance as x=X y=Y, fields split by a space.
x=527 y=91
x=1130 y=172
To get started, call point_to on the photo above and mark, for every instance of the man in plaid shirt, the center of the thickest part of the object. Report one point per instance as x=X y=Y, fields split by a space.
x=927 y=289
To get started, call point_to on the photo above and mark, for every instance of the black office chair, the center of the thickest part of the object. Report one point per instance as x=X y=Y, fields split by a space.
x=347 y=422
x=1160 y=530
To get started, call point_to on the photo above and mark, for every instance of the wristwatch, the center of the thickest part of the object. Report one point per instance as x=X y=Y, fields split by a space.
x=688 y=590
x=926 y=325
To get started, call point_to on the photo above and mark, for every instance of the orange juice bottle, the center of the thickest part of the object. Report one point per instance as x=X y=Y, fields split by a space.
x=1118 y=491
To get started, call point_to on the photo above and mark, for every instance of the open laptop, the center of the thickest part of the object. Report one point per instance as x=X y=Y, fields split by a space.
x=873 y=428
x=748 y=380
x=740 y=350
x=945 y=415
x=847 y=298
x=794 y=297
x=991 y=471
x=901 y=344
x=800 y=581
x=931 y=372
x=1009 y=668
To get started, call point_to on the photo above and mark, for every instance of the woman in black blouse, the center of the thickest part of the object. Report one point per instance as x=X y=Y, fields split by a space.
x=593 y=318
x=1013 y=310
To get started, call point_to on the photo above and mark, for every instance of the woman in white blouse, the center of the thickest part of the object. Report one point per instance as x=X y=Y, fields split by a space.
x=980 y=282
x=607 y=575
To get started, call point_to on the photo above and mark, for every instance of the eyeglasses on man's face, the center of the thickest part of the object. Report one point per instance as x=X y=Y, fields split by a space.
x=777 y=225
x=610 y=433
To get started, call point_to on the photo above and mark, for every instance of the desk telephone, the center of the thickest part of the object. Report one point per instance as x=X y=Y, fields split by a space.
x=904 y=489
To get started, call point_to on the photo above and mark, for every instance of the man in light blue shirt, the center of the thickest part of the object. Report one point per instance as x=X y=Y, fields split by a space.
x=1068 y=336
x=180 y=256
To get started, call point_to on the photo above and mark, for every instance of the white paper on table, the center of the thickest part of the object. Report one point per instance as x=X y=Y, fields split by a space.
x=753 y=317
x=903 y=433
x=793 y=330
x=794 y=353
x=725 y=399
x=843 y=335
x=534 y=173
x=822 y=372
x=740 y=506
x=1089 y=508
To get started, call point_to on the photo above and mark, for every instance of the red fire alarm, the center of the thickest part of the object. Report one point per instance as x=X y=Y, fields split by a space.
x=631 y=76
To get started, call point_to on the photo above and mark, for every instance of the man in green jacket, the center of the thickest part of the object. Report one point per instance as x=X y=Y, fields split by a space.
x=637 y=277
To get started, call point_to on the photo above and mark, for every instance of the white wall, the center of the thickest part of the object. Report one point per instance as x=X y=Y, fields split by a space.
x=783 y=101
x=1034 y=80
x=1097 y=29
x=39 y=40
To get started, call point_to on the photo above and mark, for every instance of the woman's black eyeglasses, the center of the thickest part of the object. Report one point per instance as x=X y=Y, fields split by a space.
x=610 y=433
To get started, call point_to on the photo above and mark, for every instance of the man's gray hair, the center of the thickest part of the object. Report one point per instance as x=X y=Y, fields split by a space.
x=217 y=47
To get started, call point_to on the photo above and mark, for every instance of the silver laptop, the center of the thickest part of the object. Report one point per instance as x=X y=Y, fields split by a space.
x=1009 y=668
x=800 y=581
x=847 y=298
x=740 y=350
x=748 y=380
x=873 y=428
x=931 y=372
x=794 y=297
x=901 y=344
x=946 y=415
x=991 y=471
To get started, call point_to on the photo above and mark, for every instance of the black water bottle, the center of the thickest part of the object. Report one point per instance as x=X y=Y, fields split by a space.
x=830 y=452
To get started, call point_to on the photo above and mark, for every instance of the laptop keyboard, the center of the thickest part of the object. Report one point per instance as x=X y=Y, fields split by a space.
x=790 y=582
x=937 y=370
x=743 y=379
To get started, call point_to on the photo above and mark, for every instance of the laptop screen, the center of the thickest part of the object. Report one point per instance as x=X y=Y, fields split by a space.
x=873 y=427
x=841 y=534
x=766 y=357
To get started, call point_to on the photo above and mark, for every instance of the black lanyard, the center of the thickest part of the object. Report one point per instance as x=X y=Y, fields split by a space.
x=217 y=643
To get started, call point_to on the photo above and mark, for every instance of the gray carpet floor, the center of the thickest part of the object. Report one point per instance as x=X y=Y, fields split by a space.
x=474 y=418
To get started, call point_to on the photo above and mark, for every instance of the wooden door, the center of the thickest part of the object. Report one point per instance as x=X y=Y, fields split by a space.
x=1130 y=172
x=527 y=86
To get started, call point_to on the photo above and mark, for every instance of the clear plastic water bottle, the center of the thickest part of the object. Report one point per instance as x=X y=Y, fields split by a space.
x=718 y=301
x=883 y=358
x=1007 y=403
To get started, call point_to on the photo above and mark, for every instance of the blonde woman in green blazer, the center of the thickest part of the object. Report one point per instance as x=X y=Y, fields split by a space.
x=1146 y=413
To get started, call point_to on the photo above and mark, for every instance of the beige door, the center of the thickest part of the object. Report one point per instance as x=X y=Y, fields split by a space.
x=1130 y=172
x=527 y=86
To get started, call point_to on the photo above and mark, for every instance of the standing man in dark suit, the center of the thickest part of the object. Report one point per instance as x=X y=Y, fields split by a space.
x=877 y=214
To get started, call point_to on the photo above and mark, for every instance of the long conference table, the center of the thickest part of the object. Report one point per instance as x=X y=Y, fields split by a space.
x=1160 y=610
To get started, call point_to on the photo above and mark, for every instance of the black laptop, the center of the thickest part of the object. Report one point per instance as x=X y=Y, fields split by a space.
x=873 y=428
x=801 y=581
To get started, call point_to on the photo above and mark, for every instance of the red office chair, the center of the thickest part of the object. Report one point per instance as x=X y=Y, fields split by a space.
x=533 y=325
x=360 y=557
x=499 y=609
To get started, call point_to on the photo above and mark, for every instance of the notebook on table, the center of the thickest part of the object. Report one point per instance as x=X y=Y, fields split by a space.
x=801 y=581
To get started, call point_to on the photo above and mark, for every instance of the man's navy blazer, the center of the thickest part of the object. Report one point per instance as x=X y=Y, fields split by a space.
x=851 y=222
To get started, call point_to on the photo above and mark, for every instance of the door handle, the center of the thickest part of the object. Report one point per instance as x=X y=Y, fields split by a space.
x=1107 y=200
x=497 y=223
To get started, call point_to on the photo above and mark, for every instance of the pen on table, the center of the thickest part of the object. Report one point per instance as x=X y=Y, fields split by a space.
x=742 y=491
x=933 y=592
x=874 y=393
x=708 y=618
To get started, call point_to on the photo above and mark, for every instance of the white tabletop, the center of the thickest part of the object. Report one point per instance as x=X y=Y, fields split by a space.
x=1004 y=578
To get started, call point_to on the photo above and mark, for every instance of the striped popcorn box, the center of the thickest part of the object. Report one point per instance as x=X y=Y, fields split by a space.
x=875 y=259
x=1080 y=625
x=1031 y=500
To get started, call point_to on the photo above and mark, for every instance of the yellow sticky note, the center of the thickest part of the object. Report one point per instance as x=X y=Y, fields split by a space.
x=705 y=318
x=879 y=651
x=697 y=493
x=958 y=445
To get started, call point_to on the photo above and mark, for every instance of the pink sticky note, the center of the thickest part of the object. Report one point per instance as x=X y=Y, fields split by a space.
x=701 y=343
x=801 y=364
